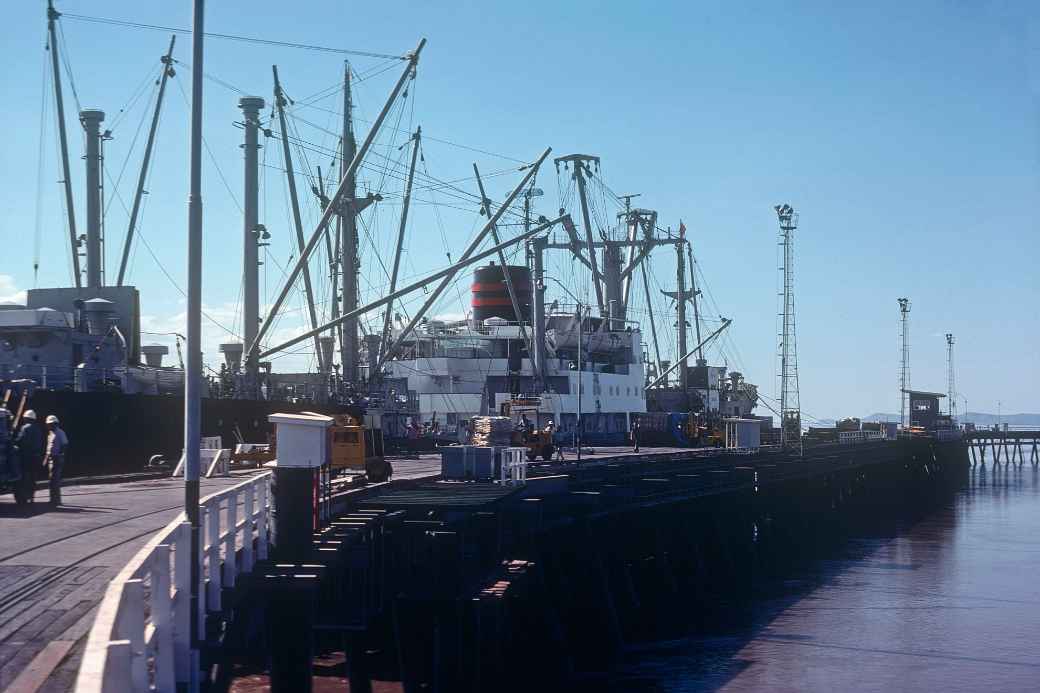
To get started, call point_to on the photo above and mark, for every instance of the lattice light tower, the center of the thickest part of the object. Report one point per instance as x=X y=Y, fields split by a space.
x=904 y=371
x=787 y=353
x=951 y=388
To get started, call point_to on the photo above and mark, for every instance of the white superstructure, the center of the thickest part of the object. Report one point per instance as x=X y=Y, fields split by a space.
x=460 y=370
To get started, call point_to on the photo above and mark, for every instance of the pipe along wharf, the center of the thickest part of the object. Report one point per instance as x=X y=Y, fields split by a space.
x=478 y=586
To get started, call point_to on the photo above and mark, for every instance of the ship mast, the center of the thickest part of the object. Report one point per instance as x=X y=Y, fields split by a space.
x=70 y=209
x=680 y=301
x=384 y=341
x=337 y=199
x=279 y=102
x=580 y=162
x=348 y=239
x=694 y=293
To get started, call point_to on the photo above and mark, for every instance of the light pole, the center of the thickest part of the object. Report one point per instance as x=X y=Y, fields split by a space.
x=193 y=362
x=577 y=312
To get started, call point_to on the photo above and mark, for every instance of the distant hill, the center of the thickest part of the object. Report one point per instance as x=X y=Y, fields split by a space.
x=978 y=418
x=881 y=417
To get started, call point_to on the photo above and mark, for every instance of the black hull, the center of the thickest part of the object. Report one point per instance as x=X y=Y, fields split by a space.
x=111 y=433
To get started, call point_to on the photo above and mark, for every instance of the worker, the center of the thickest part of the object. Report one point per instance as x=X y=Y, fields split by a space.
x=635 y=436
x=57 y=445
x=525 y=425
x=30 y=452
x=551 y=430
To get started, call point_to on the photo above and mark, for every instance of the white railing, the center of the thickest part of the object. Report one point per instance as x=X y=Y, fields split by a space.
x=141 y=639
x=514 y=466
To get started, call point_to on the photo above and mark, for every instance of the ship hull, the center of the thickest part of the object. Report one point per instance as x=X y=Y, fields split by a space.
x=111 y=432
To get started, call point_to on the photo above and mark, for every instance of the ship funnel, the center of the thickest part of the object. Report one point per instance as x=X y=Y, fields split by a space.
x=153 y=354
x=98 y=314
x=490 y=293
x=232 y=354
x=326 y=343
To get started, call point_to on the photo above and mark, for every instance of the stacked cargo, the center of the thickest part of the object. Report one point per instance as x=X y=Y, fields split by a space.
x=489 y=431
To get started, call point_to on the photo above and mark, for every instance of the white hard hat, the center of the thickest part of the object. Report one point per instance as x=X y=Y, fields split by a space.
x=29 y=415
x=52 y=419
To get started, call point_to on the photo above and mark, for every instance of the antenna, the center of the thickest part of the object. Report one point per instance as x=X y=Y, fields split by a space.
x=787 y=353
x=904 y=372
x=951 y=389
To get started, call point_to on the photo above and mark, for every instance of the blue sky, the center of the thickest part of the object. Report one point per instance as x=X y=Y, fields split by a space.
x=904 y=133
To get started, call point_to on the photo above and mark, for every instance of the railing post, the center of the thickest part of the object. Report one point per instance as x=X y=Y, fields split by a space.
x=131 y=628
x=212 y=551
x=264 y=525
x=229 y=539
x=117 y=675
x=162 y=619
x=182 y=603
x=249 y=513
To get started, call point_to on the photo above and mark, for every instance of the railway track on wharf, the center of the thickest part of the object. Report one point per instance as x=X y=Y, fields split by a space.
x=56 y=562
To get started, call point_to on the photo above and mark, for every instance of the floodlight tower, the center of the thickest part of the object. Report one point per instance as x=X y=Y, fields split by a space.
x=904 y=372
x=790 y=404
x=951 y=389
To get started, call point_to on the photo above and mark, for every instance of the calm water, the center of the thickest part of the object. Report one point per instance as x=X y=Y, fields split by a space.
x=951 y=603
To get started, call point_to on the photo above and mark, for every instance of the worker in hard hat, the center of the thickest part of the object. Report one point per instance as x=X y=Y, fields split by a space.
x=57 y=445
x=30 y=444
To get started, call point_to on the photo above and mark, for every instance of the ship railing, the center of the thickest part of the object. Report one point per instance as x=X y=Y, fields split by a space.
x=141 y=636
x=853 y=437
x=944 y=435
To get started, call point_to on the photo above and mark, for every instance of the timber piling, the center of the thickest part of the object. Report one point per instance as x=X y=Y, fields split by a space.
x=474 y=587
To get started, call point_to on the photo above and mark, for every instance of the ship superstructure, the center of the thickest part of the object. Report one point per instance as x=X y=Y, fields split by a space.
x=466 y=368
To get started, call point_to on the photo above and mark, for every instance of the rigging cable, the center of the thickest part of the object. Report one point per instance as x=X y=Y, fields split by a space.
x=68 y=65
x=130 y=150
x=213 y=159
x=38 y=231
x=234 y=37
x=167 y=274
x=144 y=198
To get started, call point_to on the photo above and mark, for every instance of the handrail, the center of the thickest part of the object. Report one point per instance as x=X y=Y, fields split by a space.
x=140 y=639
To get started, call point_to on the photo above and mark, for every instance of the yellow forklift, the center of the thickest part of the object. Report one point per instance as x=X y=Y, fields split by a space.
x=701 y=432
x=523 y=411
x=356 y=445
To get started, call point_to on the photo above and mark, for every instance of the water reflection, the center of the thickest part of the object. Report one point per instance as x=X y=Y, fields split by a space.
x=950 y=602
